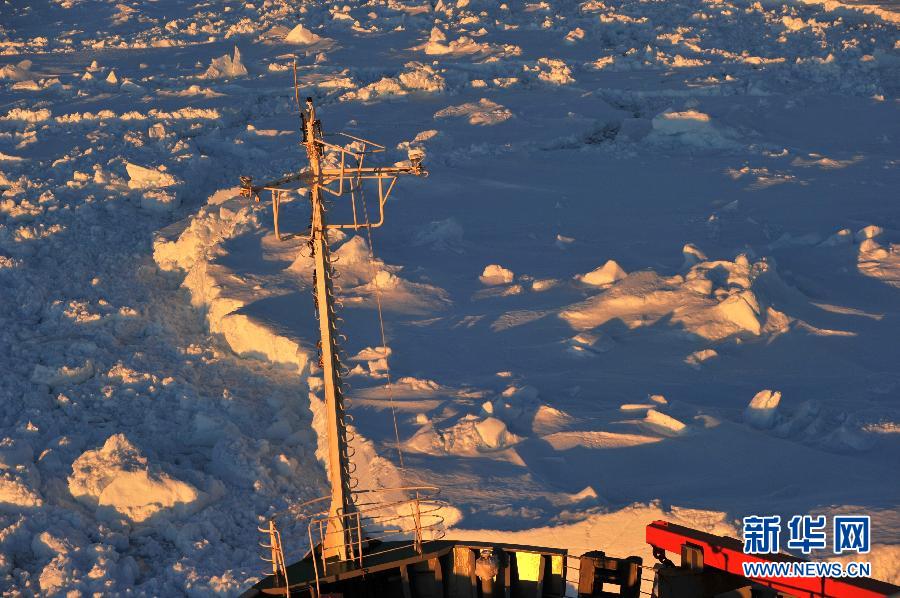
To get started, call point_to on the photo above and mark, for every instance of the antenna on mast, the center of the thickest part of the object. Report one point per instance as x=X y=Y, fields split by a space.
x=343 y=533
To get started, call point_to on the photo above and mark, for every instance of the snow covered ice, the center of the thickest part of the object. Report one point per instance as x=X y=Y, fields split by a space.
x=654 y=273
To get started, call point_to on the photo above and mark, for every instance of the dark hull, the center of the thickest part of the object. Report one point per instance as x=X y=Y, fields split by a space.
x=445 y=569
x=710 y=568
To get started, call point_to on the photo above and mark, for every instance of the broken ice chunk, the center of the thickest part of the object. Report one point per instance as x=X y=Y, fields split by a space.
x=761 y=411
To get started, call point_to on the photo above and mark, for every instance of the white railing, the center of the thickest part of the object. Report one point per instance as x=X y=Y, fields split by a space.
x=379 y=518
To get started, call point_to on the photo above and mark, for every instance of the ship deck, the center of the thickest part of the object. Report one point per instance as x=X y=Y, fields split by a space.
x=383 y=557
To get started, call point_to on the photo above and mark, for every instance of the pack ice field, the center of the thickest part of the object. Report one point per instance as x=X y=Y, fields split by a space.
x=653 y=274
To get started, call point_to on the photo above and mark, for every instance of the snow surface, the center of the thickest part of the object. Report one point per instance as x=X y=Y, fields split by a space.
x=653 y=273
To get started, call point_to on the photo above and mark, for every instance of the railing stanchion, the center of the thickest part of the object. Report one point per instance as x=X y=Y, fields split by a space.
x=359 y=538
x=418 y=522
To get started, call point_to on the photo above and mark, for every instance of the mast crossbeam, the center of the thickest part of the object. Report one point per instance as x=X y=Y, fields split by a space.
x=328 y=176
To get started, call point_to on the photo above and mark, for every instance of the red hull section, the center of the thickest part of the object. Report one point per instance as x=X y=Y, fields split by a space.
x=726 y=554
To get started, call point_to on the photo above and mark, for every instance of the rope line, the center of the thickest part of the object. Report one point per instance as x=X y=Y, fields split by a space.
x=387 y=369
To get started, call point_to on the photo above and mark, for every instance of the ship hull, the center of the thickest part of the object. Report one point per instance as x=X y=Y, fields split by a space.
x=443 y=569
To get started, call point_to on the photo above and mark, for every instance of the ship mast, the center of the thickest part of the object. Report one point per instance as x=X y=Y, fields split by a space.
x=337 y=534
x=340 y=536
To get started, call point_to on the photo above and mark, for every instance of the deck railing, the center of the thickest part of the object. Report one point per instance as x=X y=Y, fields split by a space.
x=406 y=517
